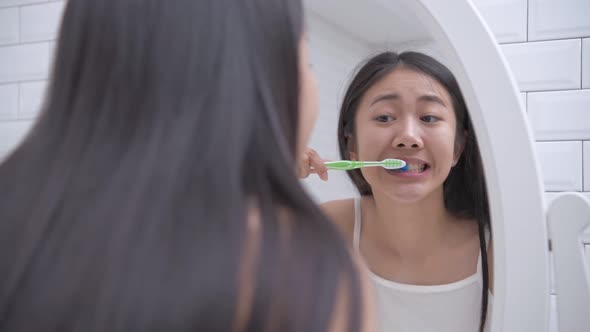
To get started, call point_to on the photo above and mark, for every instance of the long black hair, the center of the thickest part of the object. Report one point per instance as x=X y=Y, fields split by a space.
x=465 y=193
x=166 y=124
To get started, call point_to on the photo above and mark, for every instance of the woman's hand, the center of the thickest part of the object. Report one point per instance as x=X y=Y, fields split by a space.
x=311 y=163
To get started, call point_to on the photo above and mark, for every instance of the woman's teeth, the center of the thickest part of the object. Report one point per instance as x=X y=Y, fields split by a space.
x=414 y=168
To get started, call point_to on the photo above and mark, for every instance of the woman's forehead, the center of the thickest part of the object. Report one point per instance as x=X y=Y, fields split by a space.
x=407 y=82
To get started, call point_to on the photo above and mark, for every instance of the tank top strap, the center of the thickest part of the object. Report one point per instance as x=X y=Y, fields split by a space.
x=356 y=235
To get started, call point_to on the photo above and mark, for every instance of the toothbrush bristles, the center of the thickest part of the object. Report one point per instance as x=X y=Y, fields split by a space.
x=395 y=164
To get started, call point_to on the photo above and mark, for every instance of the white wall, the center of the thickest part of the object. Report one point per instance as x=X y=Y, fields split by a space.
x=27 y=31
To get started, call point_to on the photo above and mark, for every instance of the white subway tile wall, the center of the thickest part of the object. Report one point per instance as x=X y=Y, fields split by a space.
x=40 y=22
x=8 y=101
x=28 y=29
x=31 y=97
x=11 y=132
x=560 y=115
x=561 y=165
x=8 y=26
x=547 y=65
x=8 y=3
x=24 y=62
x=558 y=19
x=506 y=18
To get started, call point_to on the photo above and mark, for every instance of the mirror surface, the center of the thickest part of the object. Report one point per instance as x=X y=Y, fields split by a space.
x=343 y=33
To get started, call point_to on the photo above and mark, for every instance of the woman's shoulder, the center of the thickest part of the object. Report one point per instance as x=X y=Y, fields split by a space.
x=341 y=213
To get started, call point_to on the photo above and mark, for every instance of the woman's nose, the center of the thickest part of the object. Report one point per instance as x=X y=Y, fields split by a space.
x=407 y=136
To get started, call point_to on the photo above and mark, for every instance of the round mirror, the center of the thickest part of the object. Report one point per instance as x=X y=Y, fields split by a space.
x=344 y=32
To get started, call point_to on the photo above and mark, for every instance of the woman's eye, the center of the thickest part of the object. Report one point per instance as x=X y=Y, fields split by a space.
x=384 y=118
x=429 y=118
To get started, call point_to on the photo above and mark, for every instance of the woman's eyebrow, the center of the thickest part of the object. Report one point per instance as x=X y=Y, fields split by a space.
x=433 y=99
x=383 y=97
x=394 y=96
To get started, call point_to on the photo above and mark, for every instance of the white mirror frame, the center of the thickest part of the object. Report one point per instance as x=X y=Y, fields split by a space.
x=461 y=40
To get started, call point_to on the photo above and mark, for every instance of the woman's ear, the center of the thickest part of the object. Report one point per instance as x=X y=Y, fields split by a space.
x=459 y=146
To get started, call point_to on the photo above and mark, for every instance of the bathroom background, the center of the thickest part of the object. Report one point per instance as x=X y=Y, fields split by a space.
x=546 y=44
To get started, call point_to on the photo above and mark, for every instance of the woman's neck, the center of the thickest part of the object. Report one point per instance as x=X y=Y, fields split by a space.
x=411 y=231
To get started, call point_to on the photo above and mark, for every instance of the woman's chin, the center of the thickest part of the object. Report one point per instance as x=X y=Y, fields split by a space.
x=406 y=196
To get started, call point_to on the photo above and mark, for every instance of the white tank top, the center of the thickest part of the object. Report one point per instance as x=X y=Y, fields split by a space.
x=454 y=307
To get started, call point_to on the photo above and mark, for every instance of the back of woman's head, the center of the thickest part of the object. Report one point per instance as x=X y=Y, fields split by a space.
x=166 y=125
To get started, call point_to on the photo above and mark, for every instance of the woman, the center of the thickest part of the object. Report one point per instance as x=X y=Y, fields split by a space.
x=423 y=233
x=157 y=190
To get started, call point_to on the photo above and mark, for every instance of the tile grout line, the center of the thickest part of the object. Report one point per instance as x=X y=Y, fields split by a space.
x=19 y=101
x=527 y=20
x=20 y=25
x=583 y=183
x=555 y=90
x=34 y=80
x=581 y=63
x=542 y=40
x=18 y=85
x=21 y=43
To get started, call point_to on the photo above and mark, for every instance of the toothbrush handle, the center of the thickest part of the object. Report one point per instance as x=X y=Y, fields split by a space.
x=343 y=165
x=346 y=165
x=369 y=164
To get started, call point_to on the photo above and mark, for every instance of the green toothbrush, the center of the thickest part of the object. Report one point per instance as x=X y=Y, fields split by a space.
x=345 y=165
